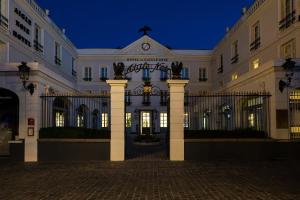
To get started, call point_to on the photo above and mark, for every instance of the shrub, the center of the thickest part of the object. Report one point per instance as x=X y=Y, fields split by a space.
x=237 y=133
x=73 y=133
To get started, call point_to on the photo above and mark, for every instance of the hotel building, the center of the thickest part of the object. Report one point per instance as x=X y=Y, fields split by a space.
x=248 y=58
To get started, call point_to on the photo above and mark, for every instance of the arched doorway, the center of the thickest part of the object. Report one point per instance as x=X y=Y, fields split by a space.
x=9 y=119
x=61 y=112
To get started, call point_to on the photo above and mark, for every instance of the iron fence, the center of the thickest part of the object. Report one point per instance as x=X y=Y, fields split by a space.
x=294 y=114
x=84 y=111
x=227 y=112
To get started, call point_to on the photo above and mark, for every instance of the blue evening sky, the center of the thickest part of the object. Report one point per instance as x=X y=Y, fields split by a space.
x=182 y=24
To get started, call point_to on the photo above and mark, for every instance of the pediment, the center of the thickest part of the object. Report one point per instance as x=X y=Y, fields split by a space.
x=146 y=46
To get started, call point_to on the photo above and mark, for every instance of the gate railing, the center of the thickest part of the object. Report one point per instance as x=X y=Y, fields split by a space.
x=294 y=114
x=84 y=111
x=227 y=112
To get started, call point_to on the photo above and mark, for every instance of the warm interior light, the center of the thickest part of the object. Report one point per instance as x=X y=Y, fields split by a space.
x=255 y=64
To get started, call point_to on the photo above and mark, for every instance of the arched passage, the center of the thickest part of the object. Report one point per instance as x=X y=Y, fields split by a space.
x=9 y=119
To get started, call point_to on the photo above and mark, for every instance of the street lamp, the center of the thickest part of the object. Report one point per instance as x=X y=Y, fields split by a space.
x=289 y=67
x=24 y=73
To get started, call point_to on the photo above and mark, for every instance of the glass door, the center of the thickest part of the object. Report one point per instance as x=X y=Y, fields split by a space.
x=146 y=122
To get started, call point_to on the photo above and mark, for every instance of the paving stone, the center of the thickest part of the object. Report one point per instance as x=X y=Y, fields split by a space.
x=220 y=180
x=147 y=175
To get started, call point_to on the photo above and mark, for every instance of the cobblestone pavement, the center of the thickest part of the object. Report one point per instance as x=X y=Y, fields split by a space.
x=219 y=180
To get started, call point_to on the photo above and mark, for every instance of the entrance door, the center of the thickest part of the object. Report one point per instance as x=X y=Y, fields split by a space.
x=9 y=119
x=146 y=122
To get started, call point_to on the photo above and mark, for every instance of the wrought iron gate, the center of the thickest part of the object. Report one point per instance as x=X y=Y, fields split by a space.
x=294 y=114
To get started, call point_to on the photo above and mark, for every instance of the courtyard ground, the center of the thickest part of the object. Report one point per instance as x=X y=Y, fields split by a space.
x=219 y=180
x=148 y=175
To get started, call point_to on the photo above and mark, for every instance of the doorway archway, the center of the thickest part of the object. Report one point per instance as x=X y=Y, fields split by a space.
x=9 y=119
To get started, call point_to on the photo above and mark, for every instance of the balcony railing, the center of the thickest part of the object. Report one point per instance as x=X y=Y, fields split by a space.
x=145 y=78
x=202 y=79
x=74 y=73
x=87 y=79
x=235 y=59
x=287 y=21
x=57 y=60
x=37 y=46
x=220 y=70
x=3 y=22
x=103 y=79
x=255 y=44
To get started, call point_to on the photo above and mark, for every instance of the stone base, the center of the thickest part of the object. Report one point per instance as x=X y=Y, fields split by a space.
x=177 y=150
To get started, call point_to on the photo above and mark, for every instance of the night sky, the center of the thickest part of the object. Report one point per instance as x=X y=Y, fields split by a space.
x=180 y=24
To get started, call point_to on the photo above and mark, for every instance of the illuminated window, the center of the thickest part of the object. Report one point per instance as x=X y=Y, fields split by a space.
x=205 y=121
x=128 y=120
x=104 y=120
x=60 y=112
x=163 y=120
x=186 y=120
x=80 y=120
x=146 y=120
x=255 y=64
x=234 y=76
x=59 y=119
x=251 y=120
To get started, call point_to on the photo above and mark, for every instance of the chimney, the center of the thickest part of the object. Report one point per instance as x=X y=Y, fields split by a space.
x=244 y=10
x=227 y=29
x=47 y=12
x=64 y=31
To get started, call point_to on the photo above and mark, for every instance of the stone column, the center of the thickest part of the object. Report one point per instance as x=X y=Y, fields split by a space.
x=117 y=98
x=32 y=111
x=176 y=117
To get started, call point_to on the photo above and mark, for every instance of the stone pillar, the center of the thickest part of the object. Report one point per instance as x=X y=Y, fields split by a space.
x=32 y=110
x=176 y=117
x=117 y=98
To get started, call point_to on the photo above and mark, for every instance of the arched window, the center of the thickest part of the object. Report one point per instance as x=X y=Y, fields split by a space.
x=61 y=112
x=81 y=117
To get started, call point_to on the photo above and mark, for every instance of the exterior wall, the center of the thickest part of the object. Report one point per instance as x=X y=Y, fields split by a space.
x=45 y=74
x=269 y=73
x=134 y=54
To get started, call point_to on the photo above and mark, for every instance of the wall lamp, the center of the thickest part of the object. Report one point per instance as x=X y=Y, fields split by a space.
x=24 y=73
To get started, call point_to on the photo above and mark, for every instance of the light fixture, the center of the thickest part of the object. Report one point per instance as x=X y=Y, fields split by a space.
x=147 y=87
x=289 y=66
x=24 y=73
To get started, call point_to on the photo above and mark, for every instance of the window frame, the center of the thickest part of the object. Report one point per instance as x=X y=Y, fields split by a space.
x=163 y=120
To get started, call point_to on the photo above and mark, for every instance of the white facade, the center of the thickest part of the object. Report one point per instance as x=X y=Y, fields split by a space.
x=247 y=59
